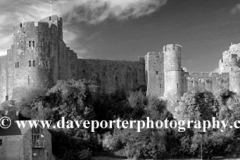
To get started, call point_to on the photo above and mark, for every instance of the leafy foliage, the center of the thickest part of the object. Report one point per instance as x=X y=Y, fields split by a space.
x=78 y=100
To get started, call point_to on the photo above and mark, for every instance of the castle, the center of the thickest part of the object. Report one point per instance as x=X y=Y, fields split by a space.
x=39 y=57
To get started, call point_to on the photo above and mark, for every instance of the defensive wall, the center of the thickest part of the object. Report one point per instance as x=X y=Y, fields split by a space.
x=39 y=57
x=211 y=82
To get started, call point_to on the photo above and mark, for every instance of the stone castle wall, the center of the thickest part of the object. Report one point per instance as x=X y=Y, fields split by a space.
x=39 y=57
x=211 y=82
x=112 y=75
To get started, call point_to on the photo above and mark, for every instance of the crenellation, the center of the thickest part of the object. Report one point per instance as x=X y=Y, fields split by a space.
x=205 y=74
x=195 y=74
x=214 y=74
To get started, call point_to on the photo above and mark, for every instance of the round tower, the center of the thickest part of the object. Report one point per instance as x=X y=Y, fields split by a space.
x=234 y=80
x=172 y=71
x=33 y=52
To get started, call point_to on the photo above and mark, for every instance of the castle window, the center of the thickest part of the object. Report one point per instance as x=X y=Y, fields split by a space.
x=83 y=71
x=29 y=63
x=6 y=98
x=29 y=43
x=50 y=18
x=156 y=72
x=0 y=142
x=21 y=25
x=177 y=85
x=33 y=42
x=33 y=63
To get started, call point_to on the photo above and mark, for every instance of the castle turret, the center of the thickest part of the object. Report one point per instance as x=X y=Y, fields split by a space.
x=154 y=74
x=172 y=71
x=33 y=58
x=234 y=80
x=230 y=59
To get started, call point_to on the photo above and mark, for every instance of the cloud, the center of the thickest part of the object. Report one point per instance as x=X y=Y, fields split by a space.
x=95 y=11
x=236 y=9
x=13 y=12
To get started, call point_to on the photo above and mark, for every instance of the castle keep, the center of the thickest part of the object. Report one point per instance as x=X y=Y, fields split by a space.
x=39 y=57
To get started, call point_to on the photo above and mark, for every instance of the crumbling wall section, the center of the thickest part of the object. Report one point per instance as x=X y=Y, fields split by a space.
x=235 y=80
x=211 y=82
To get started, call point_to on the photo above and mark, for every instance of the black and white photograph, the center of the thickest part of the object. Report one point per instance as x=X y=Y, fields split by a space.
x=119 y=79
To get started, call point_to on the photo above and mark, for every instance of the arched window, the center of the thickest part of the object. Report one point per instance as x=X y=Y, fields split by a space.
x=33 y=63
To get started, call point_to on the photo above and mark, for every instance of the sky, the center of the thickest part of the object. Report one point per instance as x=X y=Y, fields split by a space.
x=127 y=29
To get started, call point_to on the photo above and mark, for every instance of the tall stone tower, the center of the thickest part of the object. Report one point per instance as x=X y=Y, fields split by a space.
x=154 y=74
x=230 y=59
x=172 y=71
x=33 y=57
x=234 y=80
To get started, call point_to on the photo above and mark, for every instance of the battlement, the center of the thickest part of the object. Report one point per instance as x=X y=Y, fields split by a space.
x=46 y=24
x=152 y=54
x=26 y=26
x=207 y=75
x=54 y=19
x=172 y=47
